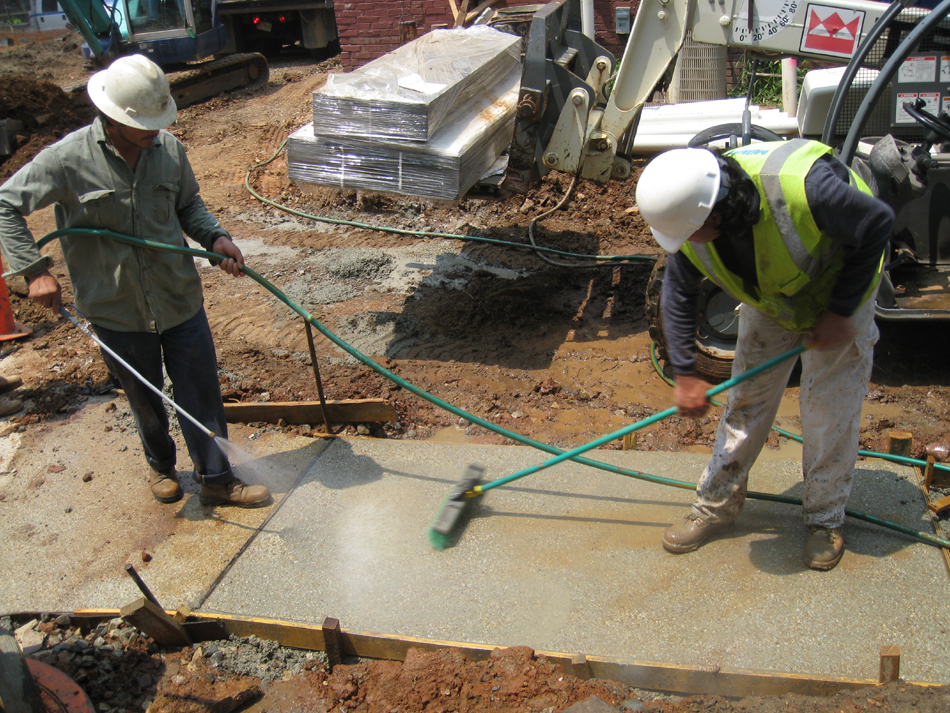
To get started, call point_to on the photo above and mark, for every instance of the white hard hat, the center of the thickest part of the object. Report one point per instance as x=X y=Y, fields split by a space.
x=676 y=193
x=134 y=91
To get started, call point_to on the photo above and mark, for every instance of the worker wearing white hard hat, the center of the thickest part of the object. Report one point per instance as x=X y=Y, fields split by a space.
x=124 y=173
x=798 y=240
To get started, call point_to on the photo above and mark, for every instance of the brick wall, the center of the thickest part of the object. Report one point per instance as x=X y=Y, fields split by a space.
x=371 y=28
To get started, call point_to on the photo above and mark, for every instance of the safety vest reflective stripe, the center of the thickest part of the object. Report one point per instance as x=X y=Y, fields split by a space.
x=772 y=187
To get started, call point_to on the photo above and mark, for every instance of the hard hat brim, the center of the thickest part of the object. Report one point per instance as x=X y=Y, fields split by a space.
x=97 y=95
x=668 y=242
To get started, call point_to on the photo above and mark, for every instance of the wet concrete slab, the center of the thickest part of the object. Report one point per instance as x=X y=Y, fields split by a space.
x=75 y=510
x=569 y=560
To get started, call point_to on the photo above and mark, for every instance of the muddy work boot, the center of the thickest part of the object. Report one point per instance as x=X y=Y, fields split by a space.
x=690 y=534
x=9 y=383
x=234 y=493
x=823 y=548
x=165 y=487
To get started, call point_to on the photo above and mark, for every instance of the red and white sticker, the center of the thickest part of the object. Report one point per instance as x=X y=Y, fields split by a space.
x=831 y=30
x=931 y=104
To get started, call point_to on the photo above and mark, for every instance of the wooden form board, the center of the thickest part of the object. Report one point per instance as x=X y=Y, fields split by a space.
x=683 y=680
x=344 y=411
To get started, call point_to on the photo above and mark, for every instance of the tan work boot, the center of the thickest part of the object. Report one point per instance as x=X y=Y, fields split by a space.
x=165 y=487
x=824 y=548
x=690 y=534
x=234 y=493
x=9 y=383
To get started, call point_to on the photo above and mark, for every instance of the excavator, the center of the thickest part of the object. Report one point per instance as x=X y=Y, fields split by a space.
x=175 y=34
x=579 y=107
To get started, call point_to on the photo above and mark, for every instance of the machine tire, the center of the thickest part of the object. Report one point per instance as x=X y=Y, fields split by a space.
x=715 y=350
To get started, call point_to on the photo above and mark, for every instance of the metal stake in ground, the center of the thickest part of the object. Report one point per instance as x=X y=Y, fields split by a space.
x=88 y=332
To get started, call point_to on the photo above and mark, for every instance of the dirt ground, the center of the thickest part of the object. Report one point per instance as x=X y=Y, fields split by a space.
x=557 y=352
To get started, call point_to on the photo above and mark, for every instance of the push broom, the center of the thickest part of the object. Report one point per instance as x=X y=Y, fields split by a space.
x=457 y=508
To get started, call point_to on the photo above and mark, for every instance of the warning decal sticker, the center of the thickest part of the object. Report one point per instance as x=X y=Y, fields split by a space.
x=831 y=30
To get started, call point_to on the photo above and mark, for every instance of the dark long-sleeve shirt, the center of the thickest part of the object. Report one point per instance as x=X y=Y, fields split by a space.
x=860 y=223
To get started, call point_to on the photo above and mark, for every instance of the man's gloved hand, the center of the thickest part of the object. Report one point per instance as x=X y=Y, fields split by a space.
x=234 y=259
x=689 y=395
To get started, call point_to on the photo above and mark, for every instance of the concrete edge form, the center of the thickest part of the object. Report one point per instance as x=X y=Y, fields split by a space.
x=668 y=678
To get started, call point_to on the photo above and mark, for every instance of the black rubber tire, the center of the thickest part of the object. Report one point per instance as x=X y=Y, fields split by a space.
x=714 y=368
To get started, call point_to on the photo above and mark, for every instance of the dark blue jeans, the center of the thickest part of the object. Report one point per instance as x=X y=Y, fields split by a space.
x=188 y=354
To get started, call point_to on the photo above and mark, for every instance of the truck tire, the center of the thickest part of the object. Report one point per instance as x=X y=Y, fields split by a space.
x=717 y=331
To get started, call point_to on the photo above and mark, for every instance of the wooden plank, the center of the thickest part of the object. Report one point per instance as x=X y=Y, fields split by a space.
x=153 y=621
x=478 y=11
x=654 y=676
x=940 y=505
x=462 y=14
x=455 y=11
x=344 y=411
x=718 y=682
x=18 y=691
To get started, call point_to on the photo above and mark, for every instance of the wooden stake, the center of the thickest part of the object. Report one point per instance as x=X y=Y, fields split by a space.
x=579 y=667
x=331 y=642
x=929 y=473
x=899 y=443
x=890 y=664
x=154 y=622
x=630 y=441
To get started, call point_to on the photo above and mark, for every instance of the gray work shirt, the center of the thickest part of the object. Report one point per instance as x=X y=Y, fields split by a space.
x=116 y=285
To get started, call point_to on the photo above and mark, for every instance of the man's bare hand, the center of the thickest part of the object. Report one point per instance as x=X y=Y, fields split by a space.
x=690 y=396
x=234 y=259
x=831 y=330
x=45 y=290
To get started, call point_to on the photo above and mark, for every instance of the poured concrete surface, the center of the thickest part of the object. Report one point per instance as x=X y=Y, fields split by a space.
x=75 y=509
x=569 y=560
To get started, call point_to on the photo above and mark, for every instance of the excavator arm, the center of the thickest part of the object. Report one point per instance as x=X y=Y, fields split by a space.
x=579 y=108
x=96 y=24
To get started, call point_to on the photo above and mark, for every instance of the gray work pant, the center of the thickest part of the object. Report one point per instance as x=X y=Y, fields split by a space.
x=834 y=383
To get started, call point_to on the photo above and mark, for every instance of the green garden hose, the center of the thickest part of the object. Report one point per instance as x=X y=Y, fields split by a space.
x=213 y=257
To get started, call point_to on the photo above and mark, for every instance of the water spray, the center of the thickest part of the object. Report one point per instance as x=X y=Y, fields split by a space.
x=88 y=332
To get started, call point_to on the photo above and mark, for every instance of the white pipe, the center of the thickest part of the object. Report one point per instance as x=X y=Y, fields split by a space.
x=790 y=85
x=587 y=18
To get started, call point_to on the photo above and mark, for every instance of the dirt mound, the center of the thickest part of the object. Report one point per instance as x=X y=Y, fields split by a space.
x=46 y=112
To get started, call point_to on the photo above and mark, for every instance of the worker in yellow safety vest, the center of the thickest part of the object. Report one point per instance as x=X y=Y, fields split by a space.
x=798 y=239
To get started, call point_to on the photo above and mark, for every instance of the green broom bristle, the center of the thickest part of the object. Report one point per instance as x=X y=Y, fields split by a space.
x=451 y=517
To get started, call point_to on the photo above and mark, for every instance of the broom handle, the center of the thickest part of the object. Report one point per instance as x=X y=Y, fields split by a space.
x=123 y=362
x=755 y=371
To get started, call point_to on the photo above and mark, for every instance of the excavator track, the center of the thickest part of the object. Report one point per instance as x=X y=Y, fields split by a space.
x=202 y=81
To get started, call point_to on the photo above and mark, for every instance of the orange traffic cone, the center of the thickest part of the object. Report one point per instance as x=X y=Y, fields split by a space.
x=9 y=327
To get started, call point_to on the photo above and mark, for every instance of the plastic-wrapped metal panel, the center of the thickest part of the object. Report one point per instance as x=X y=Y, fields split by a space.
x=445 y=167
x=411 y=92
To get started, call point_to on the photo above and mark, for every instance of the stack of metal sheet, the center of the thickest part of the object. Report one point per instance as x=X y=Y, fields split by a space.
x=446 y=167
x=413 y=91
x=428 y=119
